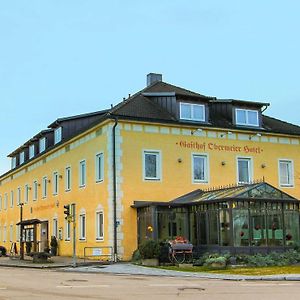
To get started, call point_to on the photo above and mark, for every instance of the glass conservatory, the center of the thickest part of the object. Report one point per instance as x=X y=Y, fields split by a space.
x=239 y=219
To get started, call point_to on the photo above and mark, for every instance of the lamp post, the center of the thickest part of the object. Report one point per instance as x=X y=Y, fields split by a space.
x=21 y=232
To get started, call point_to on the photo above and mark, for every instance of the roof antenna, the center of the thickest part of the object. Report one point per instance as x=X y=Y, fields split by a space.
x=129 y=95
x=111 y=106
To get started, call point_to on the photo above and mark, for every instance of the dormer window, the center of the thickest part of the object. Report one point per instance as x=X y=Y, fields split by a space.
x=31 y=151
x=246 y=117
x=13 y=162
x=22 y=157
x=192 y=112
x=42 y=144
x=57 y=135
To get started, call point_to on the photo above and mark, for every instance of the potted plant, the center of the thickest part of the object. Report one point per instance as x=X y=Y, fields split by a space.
x=149 y=251
x=53 y=245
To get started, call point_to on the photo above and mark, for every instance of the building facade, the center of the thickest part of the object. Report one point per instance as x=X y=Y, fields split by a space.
x=159 y=144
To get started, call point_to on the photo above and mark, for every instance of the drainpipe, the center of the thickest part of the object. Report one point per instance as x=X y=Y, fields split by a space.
x=115 y=190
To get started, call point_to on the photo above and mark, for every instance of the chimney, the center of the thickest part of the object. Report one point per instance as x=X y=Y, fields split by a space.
x=153 y=77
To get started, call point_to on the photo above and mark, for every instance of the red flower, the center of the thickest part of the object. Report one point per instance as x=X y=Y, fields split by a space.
x=242 y=233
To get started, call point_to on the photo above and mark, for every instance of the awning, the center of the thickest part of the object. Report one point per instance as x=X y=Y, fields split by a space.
x=30 y=222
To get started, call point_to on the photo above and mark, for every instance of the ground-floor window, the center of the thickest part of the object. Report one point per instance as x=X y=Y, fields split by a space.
x=99 y=225
x=82 y=227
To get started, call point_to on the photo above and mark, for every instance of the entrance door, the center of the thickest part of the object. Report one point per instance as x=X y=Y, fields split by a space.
x=44 y=236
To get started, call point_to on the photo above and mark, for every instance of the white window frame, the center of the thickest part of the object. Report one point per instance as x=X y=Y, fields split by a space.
x=26 y=193
x=22 y=157
x=17 y=233
x=82 y=175
x=290 y=162
x=11 y=198
x=68 y=178
x=206 y=167
x=44 y=187
x=192 y=106
x=55 y=227
x=5 y=201
x=247 y=118
x=11 y=232
x=99 y=167
x=250 y=169
x=19 y=195
x=31 y=151
x=42 y=144
x=13 y=162
x=82 y=226
x=67 y=231
x=57 y=135
x=55 y=183
x=99 y=236
x=158 y=155
x=4 y=233
x=35 y=190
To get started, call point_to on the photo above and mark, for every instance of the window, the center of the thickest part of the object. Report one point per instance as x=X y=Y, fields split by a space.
x=82 y=227
x=26 y=193
x=0 y=202
x=13 y=162
x=35 y=191
x=42 y=144
x=68 y=178
x=44 y=186
x=4 y=233
x=17 y=233
x=99 y=166
x=55 y=227
x=18 y=195
x=11 y=232
x=11 y=198
x=244 y=170
x=22 y=157
x=55 y=183
x=246 y=117
x=286 y=173
x=31 y=151
x=152 y=165
x=82 y=173
x=67 y=230
x=193 y=112
x=99 y=225
x=57 y=135
x=200 y=168
x=5 y=201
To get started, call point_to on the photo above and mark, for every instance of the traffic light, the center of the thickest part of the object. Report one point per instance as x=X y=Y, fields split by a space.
x=67 y=211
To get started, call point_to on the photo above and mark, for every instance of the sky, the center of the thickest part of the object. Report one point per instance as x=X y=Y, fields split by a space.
x=65 y=57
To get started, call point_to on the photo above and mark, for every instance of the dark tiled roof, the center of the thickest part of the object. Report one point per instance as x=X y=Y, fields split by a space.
x=141 y=107
x=278 y=126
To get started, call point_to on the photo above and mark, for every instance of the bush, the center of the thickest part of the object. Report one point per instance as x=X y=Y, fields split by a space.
x=149 y=249
x=216 y=260
x=136 y=256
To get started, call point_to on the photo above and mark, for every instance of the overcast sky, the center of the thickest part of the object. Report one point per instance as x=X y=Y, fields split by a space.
x=65 y=57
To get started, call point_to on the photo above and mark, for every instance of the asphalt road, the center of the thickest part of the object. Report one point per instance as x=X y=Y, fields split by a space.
x=17 y=284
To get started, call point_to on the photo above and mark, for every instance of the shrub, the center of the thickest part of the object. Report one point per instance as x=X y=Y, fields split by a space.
x=136 y=256
x=149 y=249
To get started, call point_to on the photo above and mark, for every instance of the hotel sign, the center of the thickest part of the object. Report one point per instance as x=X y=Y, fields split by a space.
x=219 y=147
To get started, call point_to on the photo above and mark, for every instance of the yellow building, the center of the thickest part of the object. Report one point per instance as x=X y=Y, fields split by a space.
x=161 y=143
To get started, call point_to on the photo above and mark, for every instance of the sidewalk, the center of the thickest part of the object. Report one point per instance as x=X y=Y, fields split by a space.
x=91 y=266
x=130 y=269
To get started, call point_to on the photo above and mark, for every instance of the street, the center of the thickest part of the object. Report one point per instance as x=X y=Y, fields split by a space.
x=18 y=283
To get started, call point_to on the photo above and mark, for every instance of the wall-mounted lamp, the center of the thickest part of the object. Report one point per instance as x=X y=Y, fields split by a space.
x=251 y=136
x=179 y=160
x=49 y=181
x=39 y=184
x=223 y=163
x=263 y=165
x=60 y=176
x=57 y=203
x=29 y=188
x=225 y=133
x=195 y=130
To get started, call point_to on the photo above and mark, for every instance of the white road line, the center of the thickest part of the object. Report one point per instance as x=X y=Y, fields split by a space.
x=174 y=285
x=83 y=286
x=267 y=284
x=3 y=288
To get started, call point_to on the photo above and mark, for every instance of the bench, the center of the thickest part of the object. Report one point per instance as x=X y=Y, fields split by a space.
x=40 y=257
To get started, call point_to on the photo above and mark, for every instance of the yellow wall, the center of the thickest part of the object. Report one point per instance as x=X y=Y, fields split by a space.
x=132 y=138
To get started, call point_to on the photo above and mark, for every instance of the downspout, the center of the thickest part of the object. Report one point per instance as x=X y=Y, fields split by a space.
x=115 y=190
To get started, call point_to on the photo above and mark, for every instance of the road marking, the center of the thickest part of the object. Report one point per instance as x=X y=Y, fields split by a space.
x=83 y=286
x=3 y=288
x=267 y=284
x=174 y=285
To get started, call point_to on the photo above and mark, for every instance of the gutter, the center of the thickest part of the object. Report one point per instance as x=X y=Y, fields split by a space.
x=115 y=190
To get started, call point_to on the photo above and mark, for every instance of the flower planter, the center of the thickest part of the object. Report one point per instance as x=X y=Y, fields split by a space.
x=150 y=262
